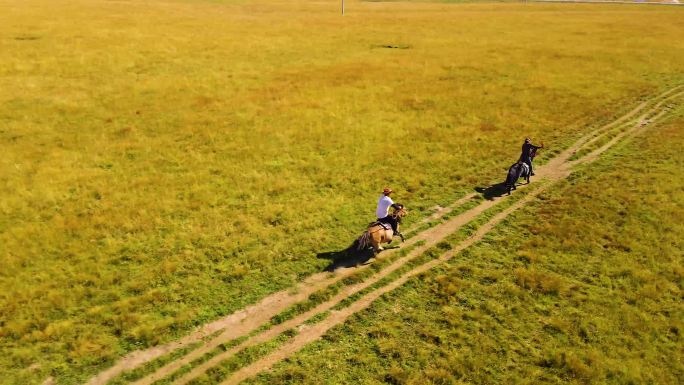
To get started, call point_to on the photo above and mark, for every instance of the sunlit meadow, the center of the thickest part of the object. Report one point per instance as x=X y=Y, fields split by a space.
x=165 y=163
x=582 y=287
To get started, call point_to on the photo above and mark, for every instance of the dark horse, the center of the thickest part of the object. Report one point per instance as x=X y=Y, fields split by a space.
x=518 y=170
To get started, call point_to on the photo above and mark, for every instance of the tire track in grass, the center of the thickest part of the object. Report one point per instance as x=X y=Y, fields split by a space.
x=443 y=230
x=644 y=120
x=310 y=333
x=429 y=238
x=594 y=135
x=243 y=322
x=624 y=120
x=560 y=171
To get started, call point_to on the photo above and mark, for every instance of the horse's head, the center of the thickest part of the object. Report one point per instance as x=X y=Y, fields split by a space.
x=399 y=211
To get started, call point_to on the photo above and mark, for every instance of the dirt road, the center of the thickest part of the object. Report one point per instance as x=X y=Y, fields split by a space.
x=245 y=322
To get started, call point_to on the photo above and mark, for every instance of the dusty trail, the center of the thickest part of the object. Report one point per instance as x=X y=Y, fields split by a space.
x=605 y=130
x=309 y=334
x=430 y=238
x=647 y=118
x=553 y=172
x=246 y=321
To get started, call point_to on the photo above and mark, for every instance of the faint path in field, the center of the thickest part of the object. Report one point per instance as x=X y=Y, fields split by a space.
x=429 y=238
x=644 y=120
x=553 y=171
x=243 y=322
x=606 y=129
x=310 y=333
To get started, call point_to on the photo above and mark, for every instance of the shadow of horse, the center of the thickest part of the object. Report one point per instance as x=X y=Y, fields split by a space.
x=496 y=190
x=349 y=257
x=493 y=191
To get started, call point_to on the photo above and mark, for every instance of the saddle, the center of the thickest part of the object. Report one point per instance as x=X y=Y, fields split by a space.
x=384 y=225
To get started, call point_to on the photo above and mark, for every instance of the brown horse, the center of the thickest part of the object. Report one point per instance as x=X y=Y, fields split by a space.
x=379 y=233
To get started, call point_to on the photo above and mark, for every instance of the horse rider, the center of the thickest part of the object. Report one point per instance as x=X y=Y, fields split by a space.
x=529 y=151
x=382 y=212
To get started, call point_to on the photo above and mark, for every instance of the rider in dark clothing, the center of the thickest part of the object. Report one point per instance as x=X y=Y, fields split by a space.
x=393 y=221
x=528 y=152
x=390 y=220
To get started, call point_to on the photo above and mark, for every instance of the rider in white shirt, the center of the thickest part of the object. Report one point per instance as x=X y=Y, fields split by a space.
x=384 y=203
x=382 y=212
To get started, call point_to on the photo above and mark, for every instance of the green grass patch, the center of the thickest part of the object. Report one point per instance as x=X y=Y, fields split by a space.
x=150 y=367
x=580 y=286
x=168 y=163
x=243 y=358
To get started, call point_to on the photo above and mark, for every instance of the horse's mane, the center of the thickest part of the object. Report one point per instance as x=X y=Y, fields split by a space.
x=398 y=208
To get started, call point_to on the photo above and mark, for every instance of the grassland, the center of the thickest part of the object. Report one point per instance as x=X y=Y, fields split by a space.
x=584 y=286
x=166 y=163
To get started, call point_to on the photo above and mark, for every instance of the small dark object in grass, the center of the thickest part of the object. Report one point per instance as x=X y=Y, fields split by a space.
x=393 y=46
x=26 y=37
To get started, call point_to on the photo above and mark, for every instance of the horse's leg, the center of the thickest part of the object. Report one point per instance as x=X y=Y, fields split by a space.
x=375 y=240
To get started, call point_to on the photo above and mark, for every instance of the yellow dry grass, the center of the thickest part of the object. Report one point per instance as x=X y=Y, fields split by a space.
x=167 y=162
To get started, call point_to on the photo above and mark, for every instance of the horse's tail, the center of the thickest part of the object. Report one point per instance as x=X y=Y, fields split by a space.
x=363 y=241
